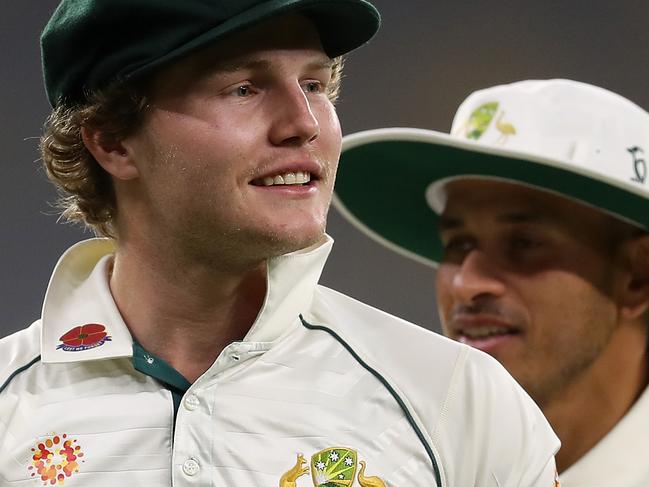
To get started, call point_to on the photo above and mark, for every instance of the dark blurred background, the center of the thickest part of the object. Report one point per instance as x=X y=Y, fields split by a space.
x=426 y=59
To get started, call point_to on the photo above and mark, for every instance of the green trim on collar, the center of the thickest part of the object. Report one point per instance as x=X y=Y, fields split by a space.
x=155 y=367
x=390 y=389
x=18 y=371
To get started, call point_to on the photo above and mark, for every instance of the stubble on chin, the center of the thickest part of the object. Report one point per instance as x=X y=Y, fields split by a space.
x=240 y=250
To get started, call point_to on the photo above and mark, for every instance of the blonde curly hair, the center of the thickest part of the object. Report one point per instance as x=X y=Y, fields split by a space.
x=86 y=193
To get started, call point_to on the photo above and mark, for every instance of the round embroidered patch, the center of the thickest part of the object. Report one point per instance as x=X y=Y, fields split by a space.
x=84 y=337
x=55 y=459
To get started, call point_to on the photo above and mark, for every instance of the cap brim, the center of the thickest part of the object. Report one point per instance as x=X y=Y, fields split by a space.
x=384 y=175
x=343 y=25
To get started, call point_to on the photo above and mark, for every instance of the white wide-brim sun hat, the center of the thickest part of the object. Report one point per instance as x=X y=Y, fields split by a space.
x=562 y=136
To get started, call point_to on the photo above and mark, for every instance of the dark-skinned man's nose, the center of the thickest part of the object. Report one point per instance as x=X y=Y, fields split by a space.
x=477 y=276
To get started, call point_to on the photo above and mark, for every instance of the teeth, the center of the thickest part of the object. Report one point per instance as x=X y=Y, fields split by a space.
x=483 y=332
x=289 y=178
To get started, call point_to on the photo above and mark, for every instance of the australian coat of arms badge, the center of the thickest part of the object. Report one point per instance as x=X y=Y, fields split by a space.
x=332 y=467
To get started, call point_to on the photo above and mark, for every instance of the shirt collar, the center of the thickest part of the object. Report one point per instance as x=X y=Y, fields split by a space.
x=78 y=295
x=291 y=281
x=620 y=455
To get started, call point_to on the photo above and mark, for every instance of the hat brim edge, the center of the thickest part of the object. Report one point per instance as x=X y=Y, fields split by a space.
x=356 y=171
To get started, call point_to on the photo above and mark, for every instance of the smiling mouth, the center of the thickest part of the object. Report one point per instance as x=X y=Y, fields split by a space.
x=299 y=178
x=483 y=332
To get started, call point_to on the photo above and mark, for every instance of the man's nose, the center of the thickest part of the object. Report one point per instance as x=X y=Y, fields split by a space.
x=294 y=120
x=477 y=277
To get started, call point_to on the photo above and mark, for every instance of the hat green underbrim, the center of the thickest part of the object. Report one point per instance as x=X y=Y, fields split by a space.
x=383 y=177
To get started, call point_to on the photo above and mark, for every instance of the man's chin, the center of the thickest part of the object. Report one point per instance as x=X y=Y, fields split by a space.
x=298 y=243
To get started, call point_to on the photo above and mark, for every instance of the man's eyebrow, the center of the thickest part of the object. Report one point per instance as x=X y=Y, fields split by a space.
x=449 y=223
x=253 y=63
x=240 y=64
x=323 y=63
x=446 y=223
x=524 y=217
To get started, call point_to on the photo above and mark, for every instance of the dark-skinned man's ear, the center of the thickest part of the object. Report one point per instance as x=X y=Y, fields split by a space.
x=635 y=301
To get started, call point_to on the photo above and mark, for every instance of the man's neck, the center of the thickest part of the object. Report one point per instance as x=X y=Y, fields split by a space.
x=590 y=408
x=185 y=314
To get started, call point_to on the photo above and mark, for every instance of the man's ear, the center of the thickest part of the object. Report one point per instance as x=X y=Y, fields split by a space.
x=635 y=299
x=110 y=153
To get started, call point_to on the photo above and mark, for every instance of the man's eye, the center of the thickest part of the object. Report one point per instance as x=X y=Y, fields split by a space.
x=523 y=243
x=243 y=90
x=458 y=248
x=313 y=87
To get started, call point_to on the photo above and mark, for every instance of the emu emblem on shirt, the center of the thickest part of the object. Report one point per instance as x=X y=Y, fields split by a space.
x=332 y=467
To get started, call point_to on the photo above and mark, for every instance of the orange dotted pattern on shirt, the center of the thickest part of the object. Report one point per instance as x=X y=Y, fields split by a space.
x=55 y=459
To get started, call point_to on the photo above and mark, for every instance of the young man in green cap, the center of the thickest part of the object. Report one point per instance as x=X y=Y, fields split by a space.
x=193 y=346
x=540 y=200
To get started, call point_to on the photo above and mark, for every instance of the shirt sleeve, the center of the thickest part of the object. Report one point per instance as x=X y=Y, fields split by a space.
x=548 y=476
x=490 y=432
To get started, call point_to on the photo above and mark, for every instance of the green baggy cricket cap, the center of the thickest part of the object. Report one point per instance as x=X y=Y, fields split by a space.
x=88 y=44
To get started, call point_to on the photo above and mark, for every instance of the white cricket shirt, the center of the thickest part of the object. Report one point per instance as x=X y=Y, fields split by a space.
x=620 y=457
x=323 y=391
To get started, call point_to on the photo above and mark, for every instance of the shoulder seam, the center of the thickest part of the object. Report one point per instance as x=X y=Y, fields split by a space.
x=386 y=384
x=18 y=371
x=460 y=362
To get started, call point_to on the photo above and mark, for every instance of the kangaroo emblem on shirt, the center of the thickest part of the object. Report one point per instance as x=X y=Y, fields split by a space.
x=299 y=469
x=331 y=467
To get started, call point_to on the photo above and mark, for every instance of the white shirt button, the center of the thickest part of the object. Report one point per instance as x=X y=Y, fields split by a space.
x=191 y=402
x=191 y=467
